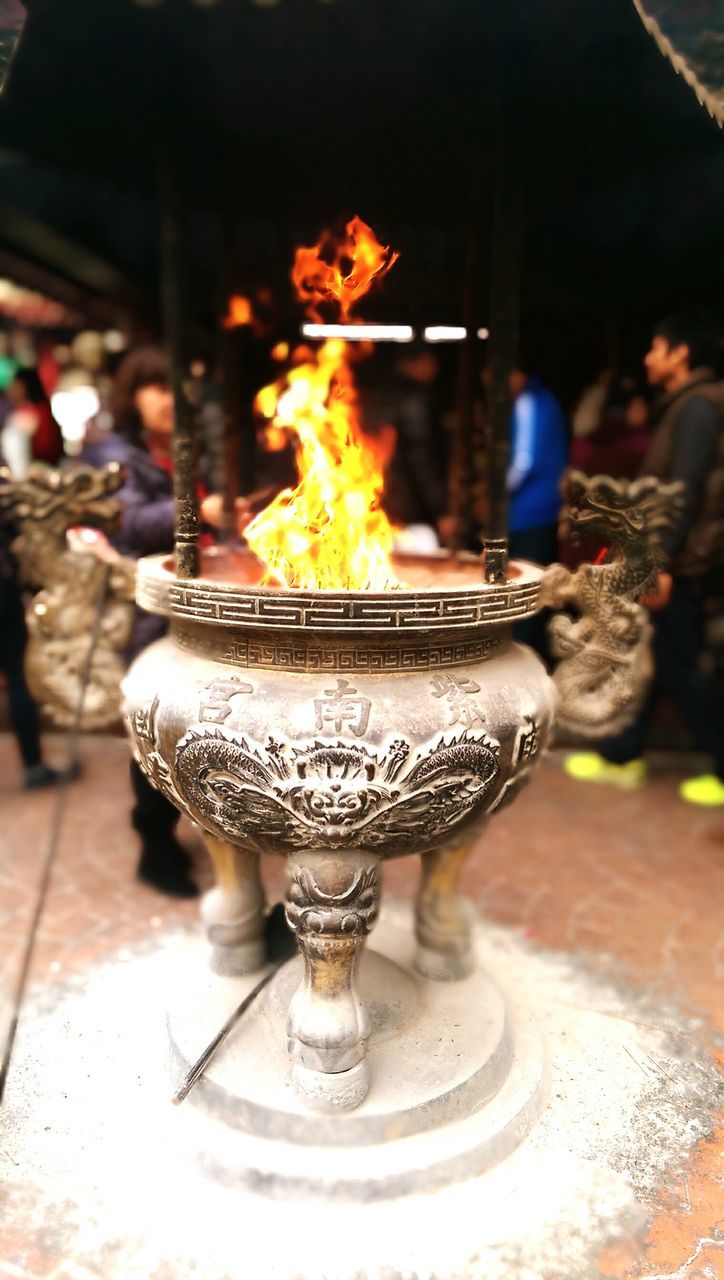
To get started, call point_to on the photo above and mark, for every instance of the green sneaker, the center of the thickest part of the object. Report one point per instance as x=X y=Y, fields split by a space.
x=705 y=790
x=589 y=766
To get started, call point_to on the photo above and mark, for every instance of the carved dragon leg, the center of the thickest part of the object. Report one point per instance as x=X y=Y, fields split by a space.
x=233 y=911
x=443 y=924
x=332 y=903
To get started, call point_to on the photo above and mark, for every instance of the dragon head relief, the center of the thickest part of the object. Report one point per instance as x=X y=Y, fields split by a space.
x=318 y=904
x=605 y=662
x=333 y=795
x=73 y=583
x=630 y=515
x=46 y=503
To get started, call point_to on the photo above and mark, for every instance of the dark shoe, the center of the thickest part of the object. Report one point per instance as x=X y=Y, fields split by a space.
x=43 y=775
x=164 y=866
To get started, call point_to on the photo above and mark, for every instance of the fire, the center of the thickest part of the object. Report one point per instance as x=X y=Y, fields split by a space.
x=330 y=531
x=340 y=269
x=240 y=312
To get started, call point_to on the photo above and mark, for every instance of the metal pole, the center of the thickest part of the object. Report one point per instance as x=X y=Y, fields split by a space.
x=173 y=299
x=237 y=348
x=460 y=474
x=238 y=357
x=504 y=331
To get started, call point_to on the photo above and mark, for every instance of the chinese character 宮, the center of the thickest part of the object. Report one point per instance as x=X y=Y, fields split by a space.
x=215 y=705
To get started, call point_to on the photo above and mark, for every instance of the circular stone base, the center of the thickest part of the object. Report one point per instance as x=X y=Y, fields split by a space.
x=236 y=961
x=456 y=1081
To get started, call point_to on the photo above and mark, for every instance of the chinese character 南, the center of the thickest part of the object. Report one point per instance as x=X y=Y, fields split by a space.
x=339 y=710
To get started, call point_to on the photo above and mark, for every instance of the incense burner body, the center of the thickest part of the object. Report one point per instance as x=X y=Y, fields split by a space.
x=337 y=729
x=339 y=721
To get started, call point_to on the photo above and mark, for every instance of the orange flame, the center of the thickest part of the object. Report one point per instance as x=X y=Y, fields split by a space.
x=340 y=269
x=240 y=312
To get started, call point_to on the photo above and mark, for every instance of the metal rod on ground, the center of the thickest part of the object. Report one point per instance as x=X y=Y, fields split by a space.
x=54 y=838
x=211 y=1049
x=281 y=944
x=173 y=300
x=504 y=330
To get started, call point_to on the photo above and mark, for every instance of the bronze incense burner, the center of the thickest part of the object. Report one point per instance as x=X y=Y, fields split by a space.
x=342 y=728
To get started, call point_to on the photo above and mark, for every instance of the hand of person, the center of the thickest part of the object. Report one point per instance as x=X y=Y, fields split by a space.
x=244 y=514
x=212 y=512
x=447 y=527
x=91 y=542
x=659 y=598
x=26 y=420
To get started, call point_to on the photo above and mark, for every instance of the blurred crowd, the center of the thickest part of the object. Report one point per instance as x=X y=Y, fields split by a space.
x=664 y=418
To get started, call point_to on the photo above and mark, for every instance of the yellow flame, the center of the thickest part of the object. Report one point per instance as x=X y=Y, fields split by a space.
x=330 y=531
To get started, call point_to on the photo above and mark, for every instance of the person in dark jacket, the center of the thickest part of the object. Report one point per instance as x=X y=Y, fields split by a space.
x=687 y=445
x=615 y=448
x=401 y=414
x=619 y=443
x=143 y=417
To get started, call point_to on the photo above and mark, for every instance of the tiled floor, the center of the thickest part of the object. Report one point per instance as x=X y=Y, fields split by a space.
x=633 y=883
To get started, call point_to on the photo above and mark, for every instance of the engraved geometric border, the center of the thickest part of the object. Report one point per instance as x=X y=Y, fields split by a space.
x=434 y=609
x=302 y=655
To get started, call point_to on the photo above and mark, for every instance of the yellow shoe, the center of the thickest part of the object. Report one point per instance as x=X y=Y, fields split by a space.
x=706 y=789
x=589 y=766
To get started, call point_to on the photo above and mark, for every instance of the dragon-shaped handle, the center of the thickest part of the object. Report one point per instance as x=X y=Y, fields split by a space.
x=604 y=650
x=41 y=508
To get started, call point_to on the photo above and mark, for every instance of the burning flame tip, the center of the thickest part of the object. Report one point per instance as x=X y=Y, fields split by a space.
x=331 y=531
x=340 y=269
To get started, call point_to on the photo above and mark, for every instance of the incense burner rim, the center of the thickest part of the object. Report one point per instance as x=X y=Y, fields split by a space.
x=240 y=605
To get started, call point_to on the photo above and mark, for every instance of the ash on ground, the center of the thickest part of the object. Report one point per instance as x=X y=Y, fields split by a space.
x=101 y=1175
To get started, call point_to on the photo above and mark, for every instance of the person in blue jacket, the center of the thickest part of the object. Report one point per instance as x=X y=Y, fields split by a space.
x=538 y=459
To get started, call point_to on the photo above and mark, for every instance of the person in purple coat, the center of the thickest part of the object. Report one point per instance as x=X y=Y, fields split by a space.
x=143 y=417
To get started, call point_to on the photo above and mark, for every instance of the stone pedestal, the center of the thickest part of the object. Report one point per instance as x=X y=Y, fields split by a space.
x=457 y=1079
